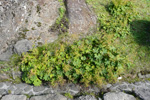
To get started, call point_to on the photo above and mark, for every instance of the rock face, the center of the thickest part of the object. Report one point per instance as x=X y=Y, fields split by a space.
x=81 y=19
x=118 y=96
x=26 y=19
x=32 y=19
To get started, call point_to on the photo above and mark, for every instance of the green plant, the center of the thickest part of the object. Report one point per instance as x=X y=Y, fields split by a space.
x=68 y=95
x=121 y=14
x=61 y=24
x=9 y=91
x=88 y=61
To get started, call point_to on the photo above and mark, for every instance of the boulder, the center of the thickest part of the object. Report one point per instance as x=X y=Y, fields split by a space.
x=81 y=18
x=14 y=97
x=118 y=96
x=22 y=46
x=142 y=90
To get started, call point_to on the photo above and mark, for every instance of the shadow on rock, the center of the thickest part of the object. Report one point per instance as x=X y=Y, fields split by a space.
x=141 y=32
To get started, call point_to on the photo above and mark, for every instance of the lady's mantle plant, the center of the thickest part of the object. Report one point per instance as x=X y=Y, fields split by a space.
x=88 y=61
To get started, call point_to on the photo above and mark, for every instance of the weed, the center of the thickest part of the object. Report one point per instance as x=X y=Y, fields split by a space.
x=87 y=61
x=68 y=95
x=61 y=24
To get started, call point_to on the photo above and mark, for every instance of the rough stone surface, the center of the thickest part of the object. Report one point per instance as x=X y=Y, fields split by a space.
x=14 y=97
x=1 y=85
x=87 y=97
x=122 y=87
x=38 y=98
x=26 y=19
x=24 y=23
x=80 y=16
x=49 y=97
x=28 y=88
x=22 y=46
x=118 y=96
x=2 y=91
x=38 y=89
x=142 y=90
x=56 y=97
x=18 y=91
x=6 y=55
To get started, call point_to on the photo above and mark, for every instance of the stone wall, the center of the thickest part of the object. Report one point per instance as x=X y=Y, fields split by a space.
x=121 y=91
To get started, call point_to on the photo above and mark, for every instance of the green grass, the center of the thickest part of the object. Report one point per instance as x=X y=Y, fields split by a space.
x=136 y=45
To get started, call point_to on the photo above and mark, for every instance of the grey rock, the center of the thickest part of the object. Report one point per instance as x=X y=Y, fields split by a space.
x=139 y=84
x=57 y=97
x=87 y=97
x=108 y=85
x=21 y=86
x=96 y=89
x=16 y=73
x=8 y=84
x=122 y=87
x=26 y=19
x=11 y=88
x=18 y=91
x=6 y=55
x=30 y=93
x=115 y=88
x=22 y=46
x=14 y=97
x=142 y=92
x=49 y=97
x=73 y=89
x=9 y=22
x=48 y=91
x=140 y=75
x=38 y=89
x=147 y=75
x=2 y=91
x=81 y=18
x=38 y=98
x=0 y=96
x=1 y=85
x=118 y=96
x=28 y=88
